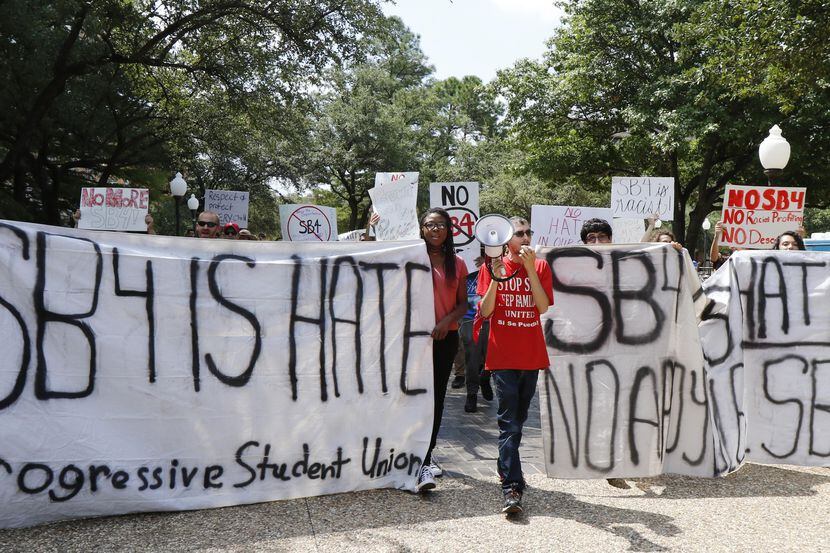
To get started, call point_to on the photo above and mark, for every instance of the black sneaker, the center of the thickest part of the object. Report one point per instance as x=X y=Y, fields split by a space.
x=512 y=502
x=458 y=381
x=486 y=389
x=470 y=406
x=618 y=483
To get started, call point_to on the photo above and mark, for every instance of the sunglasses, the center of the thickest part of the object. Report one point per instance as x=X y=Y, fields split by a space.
x=435 y=226
x=523 y=233
x=208 y=224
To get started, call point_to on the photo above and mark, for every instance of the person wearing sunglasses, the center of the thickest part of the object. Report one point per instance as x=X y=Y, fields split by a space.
x=516 y=349
x=449 y=273
x=207 y=225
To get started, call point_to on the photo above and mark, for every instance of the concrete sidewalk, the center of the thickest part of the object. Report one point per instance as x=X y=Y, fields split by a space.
x=778 y=508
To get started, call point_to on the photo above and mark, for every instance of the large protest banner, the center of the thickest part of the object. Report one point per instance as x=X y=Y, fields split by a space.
x=766 y=340
x=641 y=197
x=395 y=198
x=230 y=205
x=308 y=223
x=753 y=216
x=161 y=373
x=559 y=225
x=460 y=199
x=108 y=208
x=625 y=395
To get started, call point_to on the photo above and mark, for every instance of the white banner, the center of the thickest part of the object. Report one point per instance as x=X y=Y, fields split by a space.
x=114 y=208
x=308 y=223
x=625 y=395
x=460 y=199
x=767 y=349
x=559 y=225
x=640 y=197
x=754 y=216
x=230 y=205
x=395 y=198
x=145 y=373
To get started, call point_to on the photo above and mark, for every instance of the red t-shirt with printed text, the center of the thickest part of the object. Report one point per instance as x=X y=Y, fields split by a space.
x=516 y=337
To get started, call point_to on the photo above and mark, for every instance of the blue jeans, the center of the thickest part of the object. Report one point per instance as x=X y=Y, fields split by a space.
x=514 y=392
x=474 y=353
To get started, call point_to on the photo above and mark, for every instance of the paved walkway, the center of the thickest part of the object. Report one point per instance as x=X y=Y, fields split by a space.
x=468 y=442
x=760 y=508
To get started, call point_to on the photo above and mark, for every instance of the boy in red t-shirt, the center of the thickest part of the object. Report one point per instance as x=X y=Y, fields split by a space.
x=516 y=347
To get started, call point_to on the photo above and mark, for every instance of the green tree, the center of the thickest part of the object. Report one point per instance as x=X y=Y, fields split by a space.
x=103 y=85
x=367 y=120
x=625 y=89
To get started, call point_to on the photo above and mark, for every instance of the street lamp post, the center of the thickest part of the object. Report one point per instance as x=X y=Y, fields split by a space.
x=178 y=187
x=193 y=206
x=774 y=153
x=706 y=264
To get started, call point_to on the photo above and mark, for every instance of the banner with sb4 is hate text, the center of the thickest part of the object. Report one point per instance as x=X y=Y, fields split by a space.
x=147 y=373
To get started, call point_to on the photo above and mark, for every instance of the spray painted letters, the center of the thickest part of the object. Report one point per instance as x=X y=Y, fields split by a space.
x=153 y=373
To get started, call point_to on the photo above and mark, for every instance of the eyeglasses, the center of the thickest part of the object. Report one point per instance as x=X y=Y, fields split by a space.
x=208 y=224
x=435 y=226
x=598 y=238
x=523 y=233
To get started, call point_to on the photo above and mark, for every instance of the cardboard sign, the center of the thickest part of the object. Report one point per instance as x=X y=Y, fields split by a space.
x=161 y=374
x=109 y=208
x=460 y=199
x=395 y=198
x=627 y=231
x=768 y=359
x=351 y=236
x=308 y=223
x=230 y=205
x=559 y=225
x=641 y=197
x=625 y=395
x=754 y=216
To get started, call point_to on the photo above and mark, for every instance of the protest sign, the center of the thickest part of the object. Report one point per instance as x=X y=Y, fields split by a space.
x=625 y=394
x=395 y=197
x=153 y=373
x=767 y=351
x=627 y=231
x=559 y=225
x=352 y=235
x=641 y=197
x=308 y=223
x=460 y=199
x=230 y=205
x=753 y=216
x=114 y=208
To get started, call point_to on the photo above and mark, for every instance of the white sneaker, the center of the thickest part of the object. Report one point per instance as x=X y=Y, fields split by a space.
x=426 y=480
x=436 y=469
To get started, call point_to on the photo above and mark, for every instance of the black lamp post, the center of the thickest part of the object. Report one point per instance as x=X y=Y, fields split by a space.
x=774 y=153
x=193 y=206
x=178 y=187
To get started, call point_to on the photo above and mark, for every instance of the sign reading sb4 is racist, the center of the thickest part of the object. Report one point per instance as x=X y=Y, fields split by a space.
x=308 y=223
x=460 y=199
x=753 y=216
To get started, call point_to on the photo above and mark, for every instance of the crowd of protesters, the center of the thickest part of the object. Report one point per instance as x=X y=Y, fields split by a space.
x=464 y=336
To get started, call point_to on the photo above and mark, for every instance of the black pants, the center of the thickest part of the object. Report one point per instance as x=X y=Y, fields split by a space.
x=443 y=353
